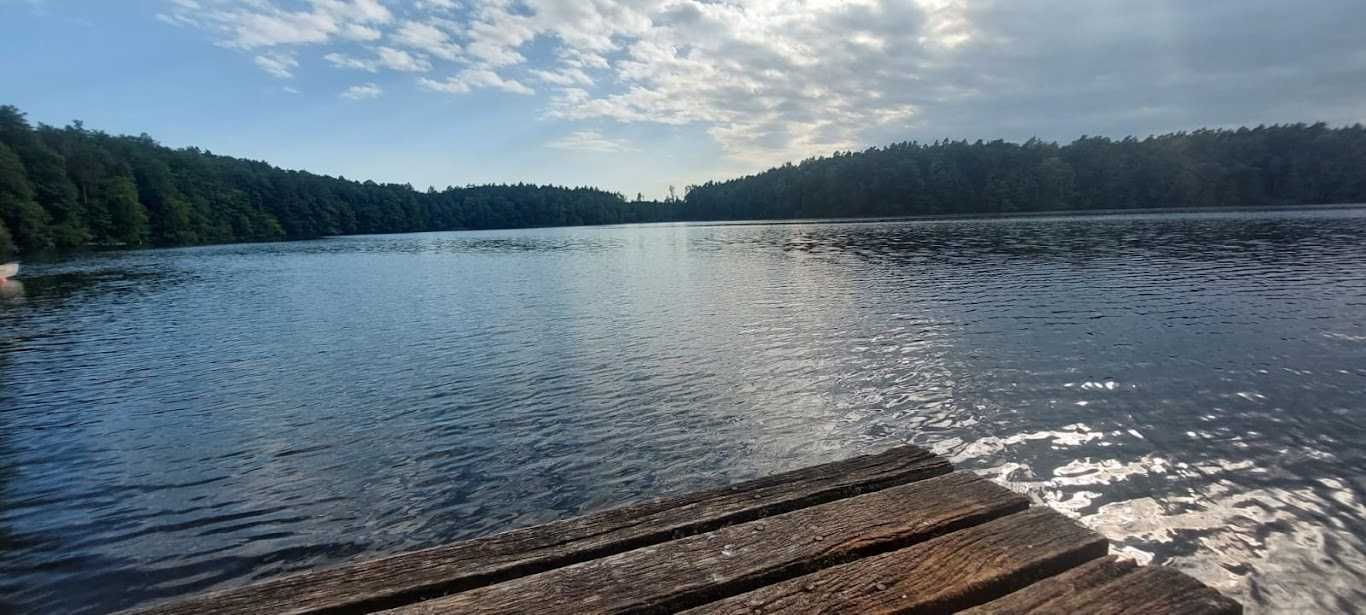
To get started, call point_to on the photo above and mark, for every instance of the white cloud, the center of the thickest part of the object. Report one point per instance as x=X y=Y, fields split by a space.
x=363 y=91
x=436 y=5
x=590 y=141
x=341 y=60
x=402 y=61
x=384 y=58
x=472 y=79
x=427 y=38
x=277 y=64
x=776 y=80
x=357 y=32
x=252 y=24
x=566 y=76
x=291 y=90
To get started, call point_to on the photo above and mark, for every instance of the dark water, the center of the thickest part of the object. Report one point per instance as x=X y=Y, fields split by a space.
x=1193 y=386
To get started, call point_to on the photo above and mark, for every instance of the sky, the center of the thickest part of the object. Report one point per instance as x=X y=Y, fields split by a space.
x=637 y=95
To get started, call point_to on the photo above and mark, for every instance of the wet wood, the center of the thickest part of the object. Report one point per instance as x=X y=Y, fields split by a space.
x=1116 y=588
x=695 y=570
x=950 y=573
x=411 y=577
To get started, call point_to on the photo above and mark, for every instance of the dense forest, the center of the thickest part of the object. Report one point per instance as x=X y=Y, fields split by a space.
x=1268 y=165
x=69 y=187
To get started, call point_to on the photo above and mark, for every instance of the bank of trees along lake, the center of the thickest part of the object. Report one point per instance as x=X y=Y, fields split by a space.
x=71 y=186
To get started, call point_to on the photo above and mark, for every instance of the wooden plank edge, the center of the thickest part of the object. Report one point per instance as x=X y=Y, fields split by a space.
x=697 y=570
x=963 y=569
x=1087 y=576
x=291 y=594
x=1113 y=585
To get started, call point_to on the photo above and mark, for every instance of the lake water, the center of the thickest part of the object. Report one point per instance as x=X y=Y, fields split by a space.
x=1191 y=385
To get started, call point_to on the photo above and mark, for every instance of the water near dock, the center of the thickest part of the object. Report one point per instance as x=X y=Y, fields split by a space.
x=1193 y=386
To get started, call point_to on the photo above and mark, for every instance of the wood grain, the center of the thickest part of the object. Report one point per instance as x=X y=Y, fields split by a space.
x=698 y=569
x=1082 y=578
x=1155 y=590
x=949 y=573
x=410 y=577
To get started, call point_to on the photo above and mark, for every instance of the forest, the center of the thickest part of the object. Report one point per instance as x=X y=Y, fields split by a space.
x=1296 y=164
x=74 y=187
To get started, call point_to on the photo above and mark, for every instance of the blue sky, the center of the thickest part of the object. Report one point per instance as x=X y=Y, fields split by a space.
x=634 y=95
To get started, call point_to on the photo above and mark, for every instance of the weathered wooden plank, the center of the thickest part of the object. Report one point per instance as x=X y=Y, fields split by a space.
x=1153 y=590
x=409 y=577
x=1037 y=596
x=949 y=573
x=694 y=570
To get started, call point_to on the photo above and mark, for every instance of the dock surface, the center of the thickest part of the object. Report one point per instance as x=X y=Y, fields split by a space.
x=895 y=532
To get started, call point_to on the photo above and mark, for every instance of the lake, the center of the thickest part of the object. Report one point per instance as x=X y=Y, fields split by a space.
x=1191 y=385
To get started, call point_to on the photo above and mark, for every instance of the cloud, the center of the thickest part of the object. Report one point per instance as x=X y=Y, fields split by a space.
x=469 y=80
x=777 y=80
x=566 y=76
x=277 y=64
x=402 y=61
x=590 y=141
x=384 y=58
x=252 y=24
x=357 y=32
x=427 y=38
x=363 y=91
x=341 y=60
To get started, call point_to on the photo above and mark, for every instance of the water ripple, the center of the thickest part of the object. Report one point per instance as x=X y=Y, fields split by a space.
x=174 y=421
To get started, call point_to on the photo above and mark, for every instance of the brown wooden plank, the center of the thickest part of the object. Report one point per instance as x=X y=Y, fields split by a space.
x=1082 y=578
x=949 y=573
x=694 y=570
x=409 y=577
x=1154 y=590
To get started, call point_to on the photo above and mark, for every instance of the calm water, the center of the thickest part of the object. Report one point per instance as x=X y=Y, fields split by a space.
x=1193 y=386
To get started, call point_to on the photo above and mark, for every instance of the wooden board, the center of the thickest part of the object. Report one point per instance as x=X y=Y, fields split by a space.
x=695 y=570
x=952 y=572
x=1112 y=587
x=1084 y=577
x=410 y=577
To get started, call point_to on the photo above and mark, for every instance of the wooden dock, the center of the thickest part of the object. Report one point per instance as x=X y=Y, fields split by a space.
x=897 y=532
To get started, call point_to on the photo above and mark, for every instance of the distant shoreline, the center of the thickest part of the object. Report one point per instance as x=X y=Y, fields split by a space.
x=1053 y=213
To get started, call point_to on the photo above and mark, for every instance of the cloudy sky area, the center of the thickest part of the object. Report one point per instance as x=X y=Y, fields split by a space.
x=633 y=95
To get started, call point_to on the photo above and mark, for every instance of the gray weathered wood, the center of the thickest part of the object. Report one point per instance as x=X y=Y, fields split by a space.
x=949 y=573
x=409 y=577
x=694 y=570
x=1153 y=590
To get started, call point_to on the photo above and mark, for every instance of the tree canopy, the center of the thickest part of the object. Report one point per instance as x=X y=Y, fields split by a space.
x=68 y=187
x=1269 y=165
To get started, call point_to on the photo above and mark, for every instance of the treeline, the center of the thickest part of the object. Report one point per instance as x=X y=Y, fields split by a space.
x=68 y=187
x=1268 y=165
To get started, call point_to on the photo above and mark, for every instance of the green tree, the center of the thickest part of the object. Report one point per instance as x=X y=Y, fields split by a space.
x=127 y=216
x=6 y=241
x=24 y=218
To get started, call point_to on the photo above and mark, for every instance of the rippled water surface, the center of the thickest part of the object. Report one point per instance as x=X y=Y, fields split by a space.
x=1191 y=385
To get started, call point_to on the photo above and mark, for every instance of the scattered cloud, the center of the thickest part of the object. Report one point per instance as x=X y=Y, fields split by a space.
x=469 y=80
x=566 y=76
x=363 y=91
x=427 y=38
x=776 y=80
x=277 y=64
x=590 y=141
